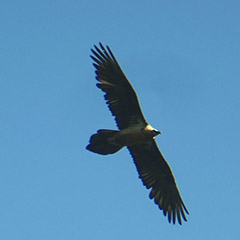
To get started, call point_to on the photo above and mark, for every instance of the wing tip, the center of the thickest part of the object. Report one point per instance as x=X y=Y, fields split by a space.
x=174 y=213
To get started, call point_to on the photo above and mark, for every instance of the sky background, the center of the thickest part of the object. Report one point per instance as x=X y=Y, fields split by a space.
x=182 y=58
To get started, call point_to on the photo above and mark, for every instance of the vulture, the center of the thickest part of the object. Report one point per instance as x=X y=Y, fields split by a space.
x=134 y=133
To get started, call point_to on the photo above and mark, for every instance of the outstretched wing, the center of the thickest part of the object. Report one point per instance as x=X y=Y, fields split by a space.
x=120 y=96
x=156 y=174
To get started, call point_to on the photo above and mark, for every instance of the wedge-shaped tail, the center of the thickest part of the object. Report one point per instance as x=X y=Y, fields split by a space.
x=101 y=142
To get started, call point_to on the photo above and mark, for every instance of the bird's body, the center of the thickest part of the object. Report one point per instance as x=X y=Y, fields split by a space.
x=134 y=133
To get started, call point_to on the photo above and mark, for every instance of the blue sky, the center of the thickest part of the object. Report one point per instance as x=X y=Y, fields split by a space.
x=182 y=57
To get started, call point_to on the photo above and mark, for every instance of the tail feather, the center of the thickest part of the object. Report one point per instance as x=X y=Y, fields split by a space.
x=100 y=142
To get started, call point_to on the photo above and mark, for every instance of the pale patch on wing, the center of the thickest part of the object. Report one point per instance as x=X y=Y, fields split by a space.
x=113 y=101
x=107 y=83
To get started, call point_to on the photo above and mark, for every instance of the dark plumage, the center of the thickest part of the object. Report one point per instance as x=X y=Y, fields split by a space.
x=136 y=134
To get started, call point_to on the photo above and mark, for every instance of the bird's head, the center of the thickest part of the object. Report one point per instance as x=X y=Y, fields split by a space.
x=151 y=131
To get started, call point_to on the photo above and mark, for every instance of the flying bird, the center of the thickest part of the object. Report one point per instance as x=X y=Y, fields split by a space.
x=134 y=133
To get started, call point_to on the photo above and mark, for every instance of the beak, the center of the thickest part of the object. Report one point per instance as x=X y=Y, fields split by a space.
x=157 y=132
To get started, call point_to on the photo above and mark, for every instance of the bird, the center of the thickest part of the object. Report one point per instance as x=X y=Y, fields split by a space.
x=134 y=133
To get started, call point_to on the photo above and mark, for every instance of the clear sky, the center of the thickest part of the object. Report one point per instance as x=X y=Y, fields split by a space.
x=182 y=57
